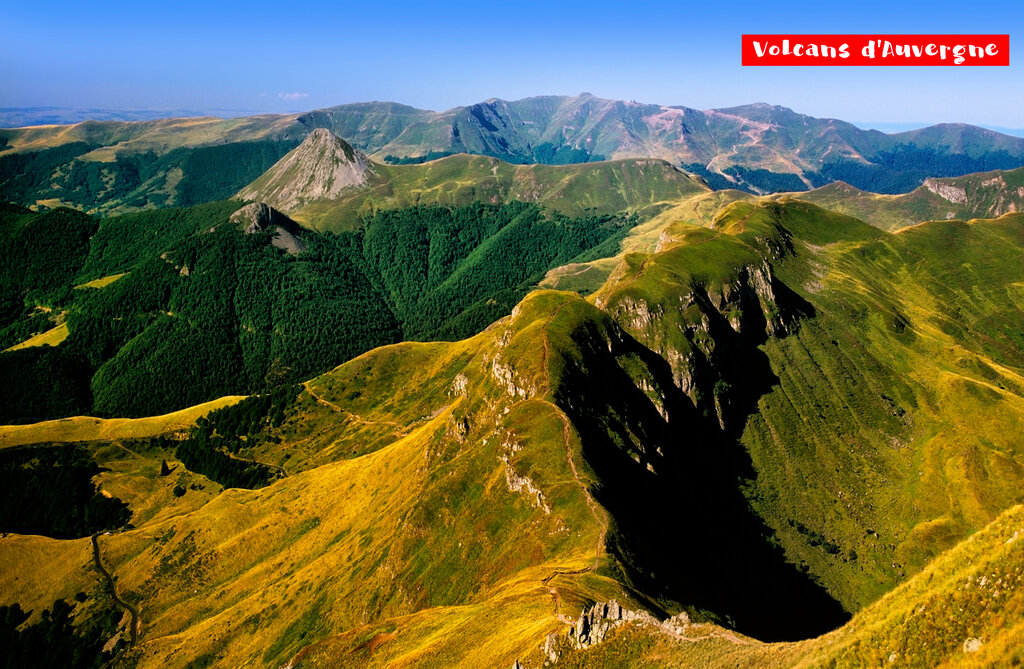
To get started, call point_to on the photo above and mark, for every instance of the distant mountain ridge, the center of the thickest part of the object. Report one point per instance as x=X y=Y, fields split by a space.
x=758 y=148
x=982 y=195
x=19 y=117
x=326 y=184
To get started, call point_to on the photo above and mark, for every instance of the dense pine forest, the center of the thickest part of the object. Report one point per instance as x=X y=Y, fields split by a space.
x=48 y=490
x=169 y=308
x=200 y=174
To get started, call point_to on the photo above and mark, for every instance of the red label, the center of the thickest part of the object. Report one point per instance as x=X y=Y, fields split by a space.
x=953 y=50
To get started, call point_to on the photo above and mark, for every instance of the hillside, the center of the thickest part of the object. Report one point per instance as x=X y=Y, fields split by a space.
x=766 y=424
x=108 y=166
x=985 y=195
x=161 y=310
x=337 y=191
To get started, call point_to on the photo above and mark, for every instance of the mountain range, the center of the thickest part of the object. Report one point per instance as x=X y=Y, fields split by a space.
x=109 y=166
x=372 y=405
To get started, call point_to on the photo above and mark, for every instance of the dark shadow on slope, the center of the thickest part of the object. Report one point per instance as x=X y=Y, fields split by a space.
x=48 y=489
x=683 y=533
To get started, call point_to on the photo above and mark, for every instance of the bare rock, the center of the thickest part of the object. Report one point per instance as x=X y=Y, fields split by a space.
x=321 y=168
x=259 y=216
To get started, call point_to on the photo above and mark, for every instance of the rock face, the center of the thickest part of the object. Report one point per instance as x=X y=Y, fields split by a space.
x=594 y=624
x=707 y=328
x=258 y=216
x=952 y=192
x=320 y=168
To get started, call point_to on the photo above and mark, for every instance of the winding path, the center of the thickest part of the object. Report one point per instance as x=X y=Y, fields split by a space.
x=279 y=468
x=399 y=430
x=602 y=519
x=113 y=590
x=595 y=509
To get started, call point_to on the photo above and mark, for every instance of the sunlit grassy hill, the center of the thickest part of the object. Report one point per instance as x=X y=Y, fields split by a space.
x=983 y=195
x=767 y=422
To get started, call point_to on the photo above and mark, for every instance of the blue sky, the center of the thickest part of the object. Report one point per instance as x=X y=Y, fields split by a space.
x=280 y=56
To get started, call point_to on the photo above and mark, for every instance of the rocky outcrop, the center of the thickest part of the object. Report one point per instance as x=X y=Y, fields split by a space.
x=321 y=168
x=259 y=217
x=705 y=329
x=947 y=191
x=595 y=624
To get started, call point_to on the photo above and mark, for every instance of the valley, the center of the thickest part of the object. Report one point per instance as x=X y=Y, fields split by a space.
x=476 y=412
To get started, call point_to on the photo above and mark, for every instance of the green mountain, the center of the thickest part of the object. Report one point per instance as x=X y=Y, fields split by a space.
x=119 y=167
x=985 y=195
x=326 y=184
x=165 y=309
x=768 y=418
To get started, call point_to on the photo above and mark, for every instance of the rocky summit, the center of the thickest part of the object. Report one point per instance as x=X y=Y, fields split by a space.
x=320 y=168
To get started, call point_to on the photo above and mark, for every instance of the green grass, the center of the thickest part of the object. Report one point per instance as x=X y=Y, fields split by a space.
x=629 y=186
x=984 y=195
x=825 y=404
x=101 y=282
x=52 y=337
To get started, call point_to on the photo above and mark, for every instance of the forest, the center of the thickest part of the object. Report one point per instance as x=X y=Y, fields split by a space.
x=52 y=641
x=207 y=174
x=213 y=443
x=204 y=310
x=48 y=490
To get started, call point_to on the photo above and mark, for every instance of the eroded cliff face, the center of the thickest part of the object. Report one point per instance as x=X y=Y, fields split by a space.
x=706 y=330
x=258 y=217
x=660 y=386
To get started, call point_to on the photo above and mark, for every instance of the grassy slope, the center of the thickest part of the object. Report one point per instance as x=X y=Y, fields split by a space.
x=102 y=282
x=52 y=337
x=428 y=519
x=647 y=237
x=984 y=195
x=84 y=428
x=633 y=186
x=406 y=517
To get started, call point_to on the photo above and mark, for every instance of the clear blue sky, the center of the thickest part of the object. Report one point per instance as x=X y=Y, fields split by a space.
x=284 y=56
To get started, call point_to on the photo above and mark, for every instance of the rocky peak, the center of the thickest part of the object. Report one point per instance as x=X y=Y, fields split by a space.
x=320 y=168
x=259 y=216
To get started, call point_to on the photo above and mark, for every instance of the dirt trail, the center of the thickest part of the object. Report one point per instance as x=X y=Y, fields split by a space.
x=714 y=633
x=279 y=468
x=595 y=509
x=399 y=430
x=136 y=619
